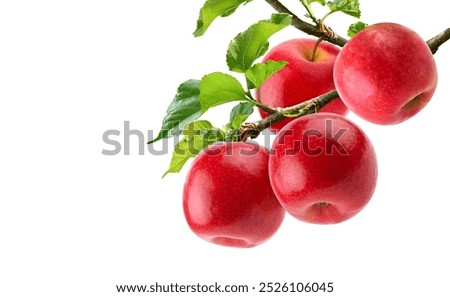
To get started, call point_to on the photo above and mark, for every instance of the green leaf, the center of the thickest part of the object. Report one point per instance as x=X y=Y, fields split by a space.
x=184 y=109
x=219 y=88
x=260 y=72
x=240 y=113
x=213 y=9
x=200 y=135
x=251 y=44
x=196 y=128
x=350 y=7
x=355 y=28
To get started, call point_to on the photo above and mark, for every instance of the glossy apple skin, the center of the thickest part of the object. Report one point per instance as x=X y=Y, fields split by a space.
x=323 y=168
x=301 y=79
x=227 y=196
x=385 y=74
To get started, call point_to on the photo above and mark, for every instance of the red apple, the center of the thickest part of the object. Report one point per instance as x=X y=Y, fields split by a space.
x=323 y=168
x=385 y=74
x=303 y=78
x=227 y=196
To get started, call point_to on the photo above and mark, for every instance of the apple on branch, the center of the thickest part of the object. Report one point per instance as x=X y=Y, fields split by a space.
x=308 y=74
x=323 y=168
x=227 y=197
x=385 y=74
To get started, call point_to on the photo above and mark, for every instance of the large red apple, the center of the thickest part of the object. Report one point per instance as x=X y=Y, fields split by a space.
x=227 y=196
x=385 y=74
x=305 y=76
x=323 y=168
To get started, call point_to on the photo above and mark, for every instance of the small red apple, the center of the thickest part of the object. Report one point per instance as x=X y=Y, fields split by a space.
x=305 y=76
x=323 y=168
x=385 y=74
x=227 y=196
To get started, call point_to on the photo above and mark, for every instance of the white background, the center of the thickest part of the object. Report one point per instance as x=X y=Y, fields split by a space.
x=74 y=222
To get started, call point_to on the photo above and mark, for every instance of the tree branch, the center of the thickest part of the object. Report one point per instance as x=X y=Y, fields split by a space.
x=330 y=36
x=252 y=130
x=435 y=42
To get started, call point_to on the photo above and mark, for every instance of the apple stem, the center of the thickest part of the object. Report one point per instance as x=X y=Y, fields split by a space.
x=313 y=56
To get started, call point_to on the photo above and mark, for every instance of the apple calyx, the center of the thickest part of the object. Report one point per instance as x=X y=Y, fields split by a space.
x=322 y=204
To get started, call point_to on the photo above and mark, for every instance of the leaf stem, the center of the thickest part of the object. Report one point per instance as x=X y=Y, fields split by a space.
x=249 y=95
x=308 y=8
x=328 y=14
x=264 y=107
